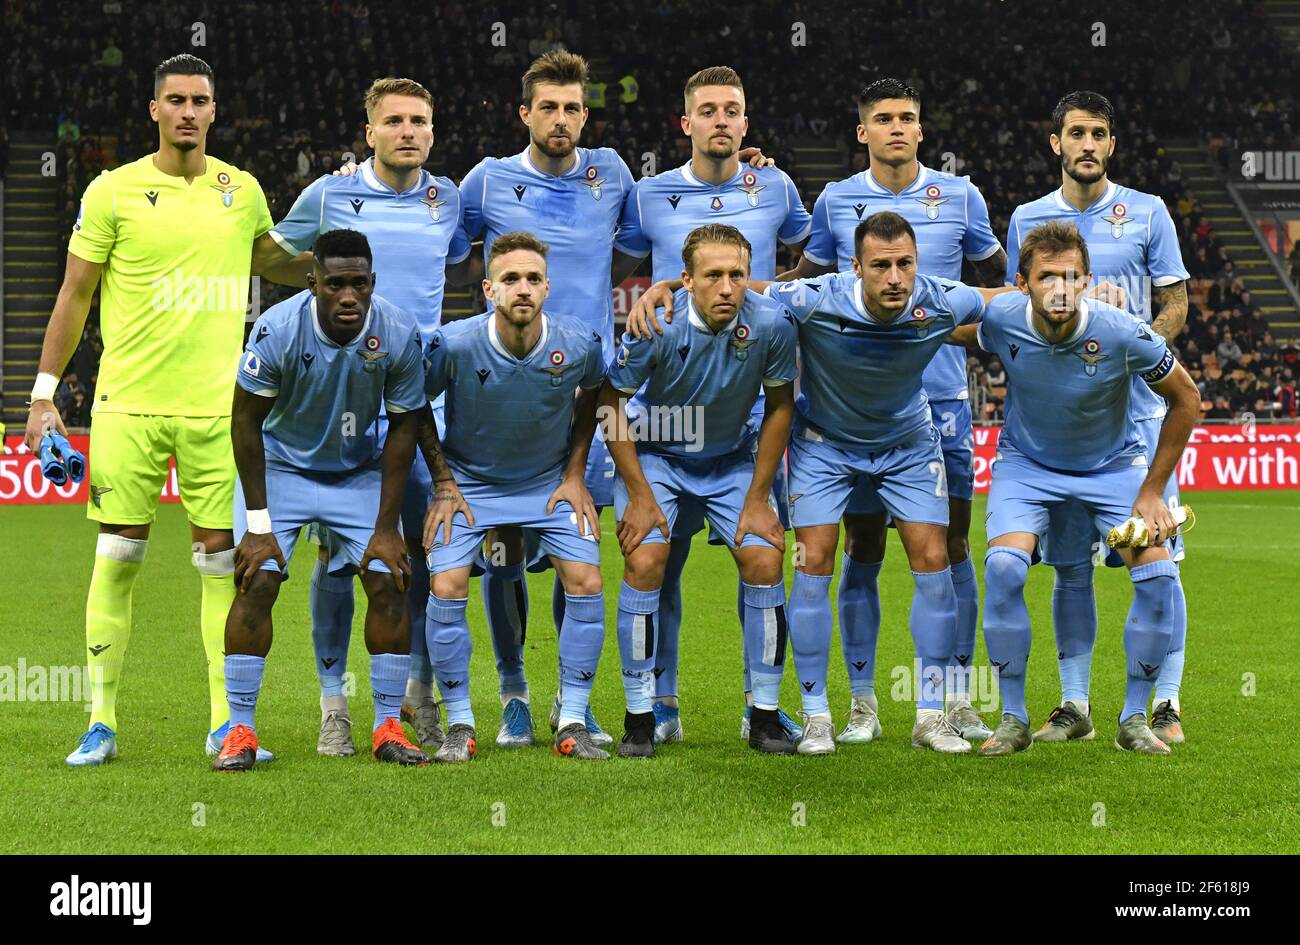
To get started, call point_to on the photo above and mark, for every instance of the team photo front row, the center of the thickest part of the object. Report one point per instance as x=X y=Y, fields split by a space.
x=347 y=422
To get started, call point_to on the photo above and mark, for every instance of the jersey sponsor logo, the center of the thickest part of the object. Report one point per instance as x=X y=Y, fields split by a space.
x=751 y=188
x=858 y=208
x=922 y=320
x=932 y=201
x=262 y=332
x=225 y=188
x=483 y=375
x=519 y=192
x=98 y=648
x=1014 y=349
x=430 y=200
x=252 y=366
x=556 y=367
x=1161 y=370
x=153 y=197
x=1144 y=334
x=683 y=351
x=357 y=203
x=674 y=200
x=307 y=359
x=1091 y=355
x=1117 y=218
x=591 y=177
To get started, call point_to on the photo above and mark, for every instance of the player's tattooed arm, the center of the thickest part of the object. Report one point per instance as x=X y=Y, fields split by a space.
x=1171 y=310
x=991 y=271
x=62 y=335
x=1184 y=400
x=642 y=515
x=573 y=486
x=757 y=516
x=387 y=544
x=272 y=261
x=247 y=414
x=446 y=500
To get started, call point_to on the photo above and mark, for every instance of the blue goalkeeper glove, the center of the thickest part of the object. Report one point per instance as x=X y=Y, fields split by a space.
x=59 y=460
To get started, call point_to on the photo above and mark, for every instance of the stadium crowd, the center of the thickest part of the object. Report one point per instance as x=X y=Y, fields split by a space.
x=289 y=113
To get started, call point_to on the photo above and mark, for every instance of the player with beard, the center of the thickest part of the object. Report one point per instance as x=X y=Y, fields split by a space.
x=1132 y=243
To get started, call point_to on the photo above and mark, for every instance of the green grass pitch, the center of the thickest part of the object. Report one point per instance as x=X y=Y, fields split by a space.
x=1230 y=789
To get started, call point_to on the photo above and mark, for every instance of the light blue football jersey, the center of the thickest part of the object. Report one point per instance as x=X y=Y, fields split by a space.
x=700 y=387
x=328 y=396
x=508 y=420
x=762 y=203
x=861 y=383
x=1067 y=404
x=413 y=235
x=951 y=222
x=575 y=213
x=1131 y=243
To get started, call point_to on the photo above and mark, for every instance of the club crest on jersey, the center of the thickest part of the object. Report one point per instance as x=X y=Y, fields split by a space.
x=750 y=186
x=225 y=188
x=932 y=200
x=715 y=204
x=591 y=177
x=430 y=200
x=556 y=367
x=741 y=338
x=922 y=320
x=1117 y=217
x=1091 y=356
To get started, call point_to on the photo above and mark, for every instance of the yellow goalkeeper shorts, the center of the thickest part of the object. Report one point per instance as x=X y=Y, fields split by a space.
x=128 y=468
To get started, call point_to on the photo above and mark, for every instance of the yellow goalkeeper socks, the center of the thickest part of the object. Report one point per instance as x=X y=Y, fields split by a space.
x=108 y=620
x=216 y=571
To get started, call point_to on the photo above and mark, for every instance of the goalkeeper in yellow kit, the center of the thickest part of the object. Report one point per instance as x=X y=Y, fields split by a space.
x=171 y=240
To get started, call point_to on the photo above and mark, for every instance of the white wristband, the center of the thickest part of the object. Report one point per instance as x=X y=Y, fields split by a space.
x=44 y=388
x=259 y=521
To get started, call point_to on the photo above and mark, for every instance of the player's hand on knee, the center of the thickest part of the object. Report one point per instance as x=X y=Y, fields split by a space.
x=251 y=553
x=758 y=518
x=642 y=319
x=1109 y=293
x=754 y=157
x=447 y=501
x=41 y=419
x=574 y=491
x=1159 y=520
x=389 y=547
x=345 y=170
x=640 y=518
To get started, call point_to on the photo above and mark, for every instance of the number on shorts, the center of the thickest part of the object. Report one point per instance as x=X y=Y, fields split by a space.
x=940 y=479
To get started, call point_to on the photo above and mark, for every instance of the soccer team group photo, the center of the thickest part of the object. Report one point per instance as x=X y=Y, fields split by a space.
x=615 y=408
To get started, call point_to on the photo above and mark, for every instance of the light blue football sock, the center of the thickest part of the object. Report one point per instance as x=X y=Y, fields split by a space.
x=1007 y=632
x=859 y=606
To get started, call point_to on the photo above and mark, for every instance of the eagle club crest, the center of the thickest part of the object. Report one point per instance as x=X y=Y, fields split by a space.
x=430 y=200
x=932 y=201
x=921 y=320
x=370 y=351
x=225 y=188
x=1091 y=356
x=556 y=366
x=591 y=177
x=741 y=338
x=1117 y=217
x=750 y=186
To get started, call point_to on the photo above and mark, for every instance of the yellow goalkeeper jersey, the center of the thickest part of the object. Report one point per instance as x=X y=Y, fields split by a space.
x=175 y=282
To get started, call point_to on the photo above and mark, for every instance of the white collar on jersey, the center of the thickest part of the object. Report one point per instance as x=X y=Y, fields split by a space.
x=1103 y=201
x=861 y=306
x=922 y=174
x=326 y=339
x=499 y=346
x=527 y=162
x=696 y=320
x=372 y=179
x=689 y=175
x=1079 y=329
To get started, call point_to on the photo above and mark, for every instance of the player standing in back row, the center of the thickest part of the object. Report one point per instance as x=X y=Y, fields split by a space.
x=148 y=233
x=1131 y=242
